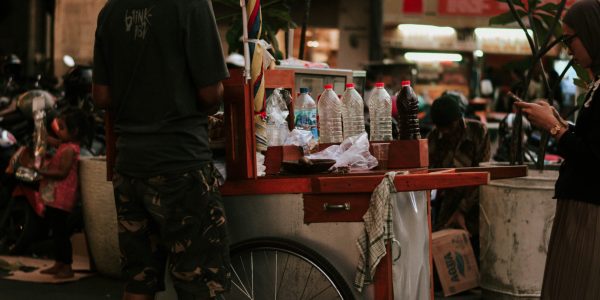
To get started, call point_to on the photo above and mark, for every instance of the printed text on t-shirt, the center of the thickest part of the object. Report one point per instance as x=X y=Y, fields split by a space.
x=139 y=19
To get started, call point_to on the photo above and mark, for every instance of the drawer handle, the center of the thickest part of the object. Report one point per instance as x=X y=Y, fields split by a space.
x=345 y=206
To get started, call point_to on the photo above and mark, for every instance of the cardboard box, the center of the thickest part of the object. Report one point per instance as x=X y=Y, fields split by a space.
x=454 y=261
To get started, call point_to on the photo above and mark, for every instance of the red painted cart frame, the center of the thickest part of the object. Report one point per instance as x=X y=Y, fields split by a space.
x=319 y=190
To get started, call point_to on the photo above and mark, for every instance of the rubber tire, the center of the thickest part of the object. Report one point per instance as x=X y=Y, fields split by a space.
x=30 y=225
x=295 y=247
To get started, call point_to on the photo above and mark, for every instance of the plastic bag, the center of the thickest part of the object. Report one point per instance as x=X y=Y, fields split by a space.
x=302 y=138
x=260 y=165
x=353 y=153
x=277 y=113
x=410 y=270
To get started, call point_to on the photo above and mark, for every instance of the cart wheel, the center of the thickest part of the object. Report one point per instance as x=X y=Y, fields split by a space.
x=272 y=268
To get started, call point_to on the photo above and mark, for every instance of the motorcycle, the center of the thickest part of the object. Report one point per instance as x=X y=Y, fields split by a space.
x=22 y=227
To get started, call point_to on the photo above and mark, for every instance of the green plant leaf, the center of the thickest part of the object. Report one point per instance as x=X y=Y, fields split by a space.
x=506 y=18
x=539 y=30
x=275 y=17
x=582 y=73
x=550 y=8
x=533 y=4
x=233 y=36
x=548 y=21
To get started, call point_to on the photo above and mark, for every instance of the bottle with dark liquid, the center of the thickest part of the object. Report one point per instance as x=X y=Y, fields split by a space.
x=408 y=108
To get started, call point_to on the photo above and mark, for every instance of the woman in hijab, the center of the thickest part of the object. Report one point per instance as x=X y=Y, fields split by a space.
x=573 y=261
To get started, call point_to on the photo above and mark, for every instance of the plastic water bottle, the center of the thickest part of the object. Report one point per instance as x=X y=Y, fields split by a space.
x=408 y=108
x=277 y=113
x=380 y=113
x=330 y=116
x=305 y=113
x=352 y=112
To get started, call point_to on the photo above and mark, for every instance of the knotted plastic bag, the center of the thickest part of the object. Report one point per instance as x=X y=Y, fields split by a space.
x=353 y=153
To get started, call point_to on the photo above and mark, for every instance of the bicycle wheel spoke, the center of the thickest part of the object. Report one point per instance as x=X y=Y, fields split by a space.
x=243 y=287
x=287 y=259
x=320 y=292
x=245 y=272
x=306 y=283
x=274 y=271
x=252 y=271
x=242 y=290
x=246 y=276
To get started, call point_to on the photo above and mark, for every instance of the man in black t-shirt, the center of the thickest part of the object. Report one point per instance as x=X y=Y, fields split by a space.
x=158 y=67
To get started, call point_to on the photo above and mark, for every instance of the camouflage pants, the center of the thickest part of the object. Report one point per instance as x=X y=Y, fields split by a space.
x=179 y=217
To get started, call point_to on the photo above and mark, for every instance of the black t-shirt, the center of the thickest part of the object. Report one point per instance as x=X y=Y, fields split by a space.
x=154 y=55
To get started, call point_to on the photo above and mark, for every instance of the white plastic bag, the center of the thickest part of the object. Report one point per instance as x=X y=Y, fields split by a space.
x=411 y=246
x=277 y=113
x=260 y=165
x=353 y=153
x=302 y=138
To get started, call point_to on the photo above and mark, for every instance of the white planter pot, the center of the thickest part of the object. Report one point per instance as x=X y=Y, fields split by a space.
x=516 y=217
x=100 y=216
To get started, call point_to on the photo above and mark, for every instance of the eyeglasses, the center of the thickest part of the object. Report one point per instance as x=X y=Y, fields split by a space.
x=567 y=39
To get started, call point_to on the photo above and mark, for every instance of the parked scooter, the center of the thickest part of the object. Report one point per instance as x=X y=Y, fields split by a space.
x=20 y=218
x=22 y=228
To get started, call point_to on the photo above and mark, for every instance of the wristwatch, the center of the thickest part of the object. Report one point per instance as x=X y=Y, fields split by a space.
x=556 y=129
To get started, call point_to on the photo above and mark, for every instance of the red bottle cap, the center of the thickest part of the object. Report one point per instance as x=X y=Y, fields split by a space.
x=349 y=85
x=329 y=86
x=379 y=84
x=405 y=82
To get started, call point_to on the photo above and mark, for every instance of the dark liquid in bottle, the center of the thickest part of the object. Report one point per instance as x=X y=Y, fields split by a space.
x=408 y=108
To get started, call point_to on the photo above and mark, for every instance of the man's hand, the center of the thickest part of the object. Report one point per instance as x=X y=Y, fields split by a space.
x=210 y=97
x=457 y=220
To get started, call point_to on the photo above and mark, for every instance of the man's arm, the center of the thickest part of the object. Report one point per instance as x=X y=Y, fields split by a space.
x=210 y=98
x=483 y=151
x=204 y=54
x=101 y=95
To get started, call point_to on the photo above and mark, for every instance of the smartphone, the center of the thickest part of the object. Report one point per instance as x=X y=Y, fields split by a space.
x=515 y=97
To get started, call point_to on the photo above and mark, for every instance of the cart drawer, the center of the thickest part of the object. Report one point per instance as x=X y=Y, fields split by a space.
x=323 y=208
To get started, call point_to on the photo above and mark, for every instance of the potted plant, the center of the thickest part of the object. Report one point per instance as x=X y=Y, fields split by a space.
x=543 y=22
x=275 y=17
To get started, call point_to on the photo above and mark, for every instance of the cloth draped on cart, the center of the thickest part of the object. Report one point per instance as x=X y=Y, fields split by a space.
x=378 y=230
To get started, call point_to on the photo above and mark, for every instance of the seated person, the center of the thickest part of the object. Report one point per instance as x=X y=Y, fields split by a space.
x=456 y=142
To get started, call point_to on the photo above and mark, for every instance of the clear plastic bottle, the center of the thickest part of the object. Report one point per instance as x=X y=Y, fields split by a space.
x=408 y=108
x=352 y=112
x=380 y=113
x=305 y=113
x=330 y=116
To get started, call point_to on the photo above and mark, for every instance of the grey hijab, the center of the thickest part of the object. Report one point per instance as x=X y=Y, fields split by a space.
x=584 y=18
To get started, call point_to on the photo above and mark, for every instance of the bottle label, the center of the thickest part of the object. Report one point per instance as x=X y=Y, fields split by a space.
x=307 y=120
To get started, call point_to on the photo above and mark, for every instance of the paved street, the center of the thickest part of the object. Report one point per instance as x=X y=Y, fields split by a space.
x=95 y=288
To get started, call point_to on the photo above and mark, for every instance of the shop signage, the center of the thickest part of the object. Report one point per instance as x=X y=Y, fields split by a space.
x=478 y=7
x=413 y=7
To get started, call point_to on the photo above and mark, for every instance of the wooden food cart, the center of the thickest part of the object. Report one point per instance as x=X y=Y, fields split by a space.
x=313 y=220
